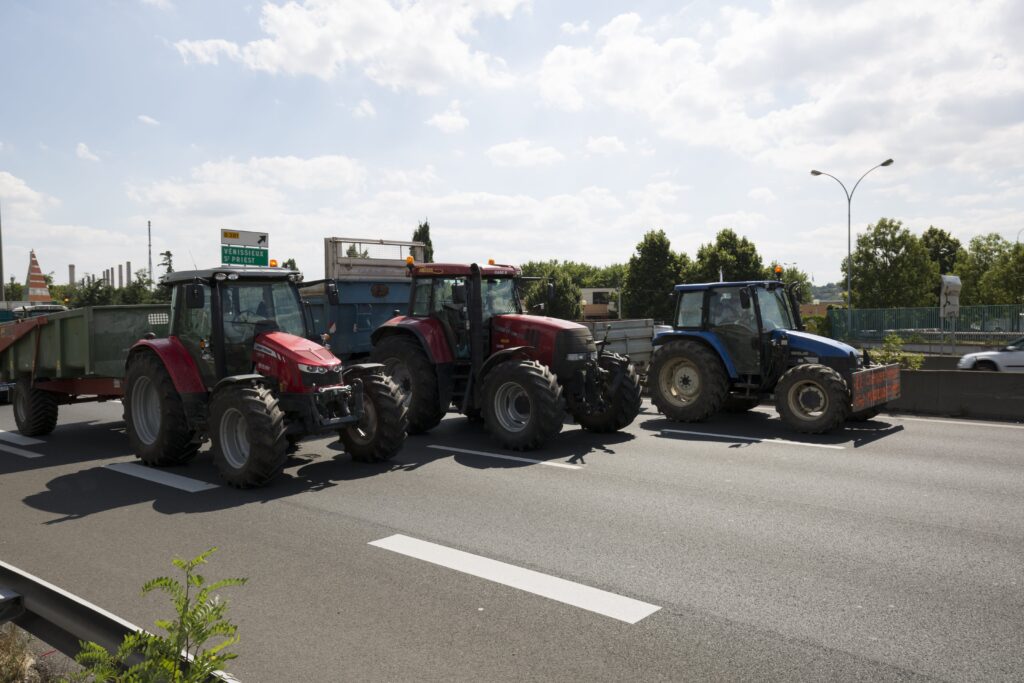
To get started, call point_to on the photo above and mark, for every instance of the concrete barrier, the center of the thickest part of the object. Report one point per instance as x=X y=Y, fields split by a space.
x=953 y=393
x=940 y=362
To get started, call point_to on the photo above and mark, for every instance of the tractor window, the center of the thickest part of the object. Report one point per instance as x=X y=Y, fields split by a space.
x=192 y=323
x=691 y=305
x=774 y=310
x=421 y=298
x=725 y=308
x=735 y=326
x=443 y=292
x=499 y=297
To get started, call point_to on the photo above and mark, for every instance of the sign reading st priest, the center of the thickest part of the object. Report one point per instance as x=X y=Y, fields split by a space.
x=244 y=248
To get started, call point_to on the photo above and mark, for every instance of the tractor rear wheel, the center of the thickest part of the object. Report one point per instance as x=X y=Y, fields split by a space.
x=687 y=381
x=523 y=404
x=35 y=410
x=620 y=398
x=247 y=429
x=158 y=431
x=410 y=368
x=380 y=432
x=812 y=399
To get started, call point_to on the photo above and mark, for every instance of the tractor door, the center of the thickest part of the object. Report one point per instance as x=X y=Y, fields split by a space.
x=448 y=306
x=192 y=325
x=736 y=326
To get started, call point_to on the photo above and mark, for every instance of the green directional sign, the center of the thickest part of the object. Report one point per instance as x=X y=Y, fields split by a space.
x=243 y=256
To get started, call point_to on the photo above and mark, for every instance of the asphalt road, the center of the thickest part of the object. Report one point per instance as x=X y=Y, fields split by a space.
x=890 y=550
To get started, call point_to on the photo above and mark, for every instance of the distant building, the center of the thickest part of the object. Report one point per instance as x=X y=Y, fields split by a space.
x=600 y=303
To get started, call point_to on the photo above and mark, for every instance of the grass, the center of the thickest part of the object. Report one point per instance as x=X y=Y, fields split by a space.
x=19 y=662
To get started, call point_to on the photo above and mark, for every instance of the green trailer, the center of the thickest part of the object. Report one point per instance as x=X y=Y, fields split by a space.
x=72 y=357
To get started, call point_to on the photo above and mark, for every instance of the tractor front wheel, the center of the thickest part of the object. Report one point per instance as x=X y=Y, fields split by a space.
x=410 y=368
x=247 y=429
x=687 y=381
x=35 y=410
x=620 y=397
x=380 y=432
x=154 y=416
x=812 y=399
x=523 y=404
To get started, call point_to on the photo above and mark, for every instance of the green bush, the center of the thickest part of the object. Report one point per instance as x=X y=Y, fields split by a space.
x=892 y=352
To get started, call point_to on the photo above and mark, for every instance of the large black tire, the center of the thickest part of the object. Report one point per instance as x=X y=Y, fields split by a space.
x=523 y=404
x=687 y=381
x=35 y=410
x=619 y=406
x=380 y=433
x=812 y=399
x=736 y=404
x=154 y=416
x=247 y=428
x=866 y=414
x=986 y=366
x=405 y=360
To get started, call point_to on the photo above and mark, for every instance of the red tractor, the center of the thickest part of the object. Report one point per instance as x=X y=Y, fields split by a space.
x=467 y=342
x=238 y=369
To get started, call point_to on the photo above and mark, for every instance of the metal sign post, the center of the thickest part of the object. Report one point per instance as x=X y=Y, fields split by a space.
x=949 y=302
x=244 y=248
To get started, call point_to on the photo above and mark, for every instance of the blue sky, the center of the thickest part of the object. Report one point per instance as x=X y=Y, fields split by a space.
x=522 y=130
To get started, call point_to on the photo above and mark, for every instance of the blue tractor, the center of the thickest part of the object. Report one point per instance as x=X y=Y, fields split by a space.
x=733 y=343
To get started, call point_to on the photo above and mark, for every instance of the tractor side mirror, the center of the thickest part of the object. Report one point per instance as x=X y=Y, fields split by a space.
x=195 y=296
x=332 y=293
x=744 y=298
x=459 y=294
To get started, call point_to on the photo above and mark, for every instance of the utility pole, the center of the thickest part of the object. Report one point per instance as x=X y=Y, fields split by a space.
x=3 y=290
x=149 y=233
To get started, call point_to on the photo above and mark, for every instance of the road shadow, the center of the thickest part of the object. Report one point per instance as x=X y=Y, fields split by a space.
x=69 y=443
x=739 y=428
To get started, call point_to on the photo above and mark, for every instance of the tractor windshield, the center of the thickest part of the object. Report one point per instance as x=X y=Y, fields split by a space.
x=499 y=297
x=246 y=303
x=775 y=313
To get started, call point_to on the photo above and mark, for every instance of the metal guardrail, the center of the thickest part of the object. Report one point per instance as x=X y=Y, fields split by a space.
x=61 y=619
x=993 y=325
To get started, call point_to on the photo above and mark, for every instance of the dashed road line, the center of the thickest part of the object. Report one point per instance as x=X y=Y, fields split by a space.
x=753 y=439
x=161 y=477
x=20 y=452
x=19 y=439
x=568 y=592
x=485 y=454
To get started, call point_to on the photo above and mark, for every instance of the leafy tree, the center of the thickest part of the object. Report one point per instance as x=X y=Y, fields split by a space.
x=608 y=276
x=353 y=252
x=891 y=268
x=971 y=265
x=1003 y=283
x=289 y=263
x=200 y=617
x=566 y=301
x=942 y=248
x=653 y=271
x=167 y=263
x=791 y=274
x=140 y=291
x=422 y=234
x=14 y=291
x=93 y=294
x=735 y=257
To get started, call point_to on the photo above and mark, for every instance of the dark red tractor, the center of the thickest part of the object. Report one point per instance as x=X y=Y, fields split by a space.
x=238 y=369
x=467 y=343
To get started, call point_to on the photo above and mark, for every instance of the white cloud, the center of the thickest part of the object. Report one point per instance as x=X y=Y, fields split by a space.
x=575 y=29
x=82 y=152
x=762 y=194
x=608 y=144
x=523 y=152
x=450 y=120
x=148 y=120
x=364 y=110
x=415 y=45
x=159 y=4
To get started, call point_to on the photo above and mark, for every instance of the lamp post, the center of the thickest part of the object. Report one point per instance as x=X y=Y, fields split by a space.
x=849 y=253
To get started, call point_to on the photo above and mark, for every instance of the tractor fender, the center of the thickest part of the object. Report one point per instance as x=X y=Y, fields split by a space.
x=244 y=379
x=501 y=356
x=361 y=370
x=707 y=338
x=180 y=365
x=428 y=333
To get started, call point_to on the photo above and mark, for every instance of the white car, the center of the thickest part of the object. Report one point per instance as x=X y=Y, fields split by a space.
x=1008 y=359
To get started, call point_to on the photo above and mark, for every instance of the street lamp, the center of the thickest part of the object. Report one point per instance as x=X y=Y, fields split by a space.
x=849 y=254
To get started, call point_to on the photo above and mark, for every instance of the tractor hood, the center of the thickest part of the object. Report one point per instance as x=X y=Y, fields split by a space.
x=288 y=347
x=822 y=347
x=536 y=321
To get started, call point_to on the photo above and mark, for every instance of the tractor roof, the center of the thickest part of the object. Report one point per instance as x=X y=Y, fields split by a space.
x=240 y=273
x=456 y=269
x=696 y=287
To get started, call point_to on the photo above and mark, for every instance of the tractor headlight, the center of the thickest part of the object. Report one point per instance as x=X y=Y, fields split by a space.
x=313 y=369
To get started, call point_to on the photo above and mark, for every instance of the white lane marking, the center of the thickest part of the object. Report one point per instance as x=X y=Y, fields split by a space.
x=507 y=457
x=19 y=439
x=161 y=477
x=20 y=451
x=752 y=439
x=569 y=592
x=978 y=423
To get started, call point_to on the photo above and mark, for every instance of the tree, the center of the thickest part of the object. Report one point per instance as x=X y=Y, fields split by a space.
x=14 y=291
x=93 y=294
x=566 y=301
x=791 y=274
x=1003 y=283
x=971 y=265
x=422 y=234
x=653 y=271
x=731 y=257
x=353 y=252
x=891 y=268
x=167 y=263
x=139 y=291
x=289 y=263
x=942 y=248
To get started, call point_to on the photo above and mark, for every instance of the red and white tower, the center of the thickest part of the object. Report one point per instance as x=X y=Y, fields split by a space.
x=38 y=292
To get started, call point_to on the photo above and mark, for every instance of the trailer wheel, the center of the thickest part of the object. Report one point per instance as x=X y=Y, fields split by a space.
x=380 y=432
x=620 y=403
x=247 y=430
x=523 y=404
x=35 y=410
x=404 y=360
x=812 y=399
x=158 y=431
x=735 y=404
x=687 y=381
